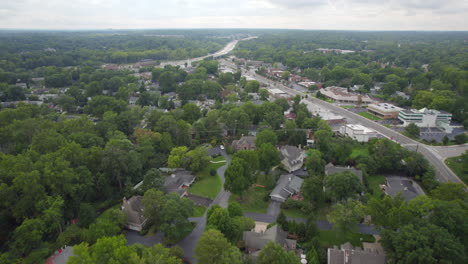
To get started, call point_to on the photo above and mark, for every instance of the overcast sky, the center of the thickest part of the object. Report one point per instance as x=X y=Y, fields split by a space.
x=294 y=14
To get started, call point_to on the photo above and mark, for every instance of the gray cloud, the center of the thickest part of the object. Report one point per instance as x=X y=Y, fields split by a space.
x=308 y=14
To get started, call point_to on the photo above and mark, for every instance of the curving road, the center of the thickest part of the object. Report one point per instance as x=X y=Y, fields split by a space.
x=189 y=243
x=444 y=174
x=228 y=48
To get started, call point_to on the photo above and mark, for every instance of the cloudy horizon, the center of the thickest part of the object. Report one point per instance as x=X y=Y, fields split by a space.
x=448 y=15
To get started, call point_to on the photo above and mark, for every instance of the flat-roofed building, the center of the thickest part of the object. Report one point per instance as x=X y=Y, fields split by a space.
x=341 y=95
x=358 y=132
x=384 y=110
x=427 y=118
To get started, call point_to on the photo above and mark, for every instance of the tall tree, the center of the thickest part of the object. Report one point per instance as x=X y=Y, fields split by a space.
x=214 y=248
x=153 y=201
x=268 y=156
x=273 y=253
x=238 y=176
x=346 y=215
x=341 y=186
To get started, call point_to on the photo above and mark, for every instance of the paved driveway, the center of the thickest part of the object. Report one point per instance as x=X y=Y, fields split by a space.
x=274 y=208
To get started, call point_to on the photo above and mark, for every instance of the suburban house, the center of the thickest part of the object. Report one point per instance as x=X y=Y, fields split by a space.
x=244 y=143
x=384 y=110
x=277 y=93
x=133 y=208
x=371 y=253
x=406 y=187
x=286 y=186
x=341 y=95
x=178 y=181
x=292 y=158
x=359 y=133
x=427 y=118
x=255 y=241
x=332 y=169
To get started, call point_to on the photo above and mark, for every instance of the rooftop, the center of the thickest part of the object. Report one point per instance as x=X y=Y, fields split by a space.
x=408 y=188
x=385 y=107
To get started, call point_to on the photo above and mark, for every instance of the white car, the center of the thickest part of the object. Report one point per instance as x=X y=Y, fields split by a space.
x=221 y=147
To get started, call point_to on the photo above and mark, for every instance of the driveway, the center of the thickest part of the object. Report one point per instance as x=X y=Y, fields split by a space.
x=274 y=208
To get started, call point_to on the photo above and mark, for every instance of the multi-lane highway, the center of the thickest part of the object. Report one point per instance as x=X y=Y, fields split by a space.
x=444 y=174
x=228 y=48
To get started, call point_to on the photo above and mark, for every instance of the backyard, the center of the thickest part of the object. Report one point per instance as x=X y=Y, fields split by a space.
x=253 y=200
x=329 y=238
x=374 y=184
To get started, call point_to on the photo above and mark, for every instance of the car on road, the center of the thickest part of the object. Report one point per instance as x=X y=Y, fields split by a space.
x=221 y=147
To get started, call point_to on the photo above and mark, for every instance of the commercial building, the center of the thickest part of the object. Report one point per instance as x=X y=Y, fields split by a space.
x=427 y=118
x=358 y=132
x=384 y=110
x=341 y=95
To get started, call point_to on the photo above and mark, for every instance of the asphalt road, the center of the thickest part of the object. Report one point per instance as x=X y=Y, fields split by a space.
x=444 y=174
x=228 y=48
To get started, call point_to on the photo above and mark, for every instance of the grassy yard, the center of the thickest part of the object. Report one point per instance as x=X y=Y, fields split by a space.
x=207 y=185
x=359 y=151
x=369 y=116
x=330 y=238
x=374 y=184
x=456 y=165
x=252 y=201
x=218 y=159
x=297 y=213
x=198 y=211
x=347 y=106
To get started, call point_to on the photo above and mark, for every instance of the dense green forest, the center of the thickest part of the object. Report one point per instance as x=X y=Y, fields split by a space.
x=431 y=67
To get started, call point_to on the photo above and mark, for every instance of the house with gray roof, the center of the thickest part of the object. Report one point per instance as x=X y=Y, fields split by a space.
x=347 y=254
x=254 y=241
x=178 y=181
x=133 y=208
x=292 y=158
x=332 y=169
x=287 y=185
x=244 y=143
x=404 y=186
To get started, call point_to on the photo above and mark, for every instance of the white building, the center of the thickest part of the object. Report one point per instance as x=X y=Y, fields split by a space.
x=358 y=132
x=426 y=118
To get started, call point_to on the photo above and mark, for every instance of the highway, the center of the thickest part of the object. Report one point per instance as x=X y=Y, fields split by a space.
x=444 y=174
x=228 y=48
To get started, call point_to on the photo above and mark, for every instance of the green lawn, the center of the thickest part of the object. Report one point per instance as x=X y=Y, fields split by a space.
x=252 y=201
x=205 y=184
x=329 y=238
x=374 y=184
x=219 y=158
x=298 y=213
x=359 y=151
x=456 y=165
x=369 y=116
x=198 y=211
x=208 y=186
x=347 y=106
